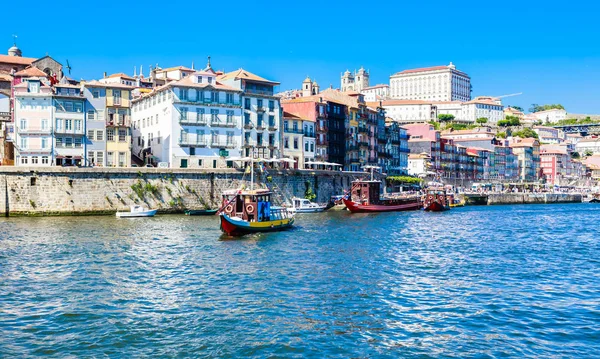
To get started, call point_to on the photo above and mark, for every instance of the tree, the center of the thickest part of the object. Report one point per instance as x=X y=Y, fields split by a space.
x=501 y=135
x=575 y=155
x=444 y=117
x=537 y=108
x=588 y=153
x=526 y=133
x=510 y=121
x=482 y=120
x=518 y=108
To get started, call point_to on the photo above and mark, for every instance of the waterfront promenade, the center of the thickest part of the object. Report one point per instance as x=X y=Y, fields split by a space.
x=497 y=281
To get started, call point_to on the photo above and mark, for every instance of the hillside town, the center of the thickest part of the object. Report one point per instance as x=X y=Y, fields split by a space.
x=425 y=122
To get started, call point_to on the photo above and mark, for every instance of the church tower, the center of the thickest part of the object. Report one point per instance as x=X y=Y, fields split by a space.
x=361 y=79
x=307 y=87
x=347 y=81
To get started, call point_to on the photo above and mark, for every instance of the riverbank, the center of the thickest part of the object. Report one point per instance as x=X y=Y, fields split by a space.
x=522 y=198
x=90 y=191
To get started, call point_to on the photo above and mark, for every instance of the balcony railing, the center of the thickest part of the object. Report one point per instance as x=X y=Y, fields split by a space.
x=118 y=121
x=272 y=127
x=363 y=144
x=248 y=125
x=193 y=121
x=309 y=134
x=293 y=130
x=188 y=142
x=70 y=131
x=35 y=130
x=249 y=143
x=260 y=126
x=321 y=128
x=208 y=101
x=259 y=92
x=260 y=109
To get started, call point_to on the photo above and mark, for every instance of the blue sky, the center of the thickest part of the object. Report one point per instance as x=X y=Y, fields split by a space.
x=547 y=50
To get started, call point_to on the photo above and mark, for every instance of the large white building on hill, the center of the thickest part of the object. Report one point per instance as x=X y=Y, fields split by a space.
x=438 y=83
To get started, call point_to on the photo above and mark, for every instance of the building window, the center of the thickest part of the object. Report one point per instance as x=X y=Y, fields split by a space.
x=306 y=146
x=99 y=135
x=229 y=98
x=271 y=121
x=95 y=93
x=110 y=134
x=247 y=103
x=44 y=160
x=90 y=135
x=286 y=142
x=295 y=143
x=158 y=137
x=271 y=105
x=121 y=159
x=68 y=141
x=24 y=160
x=44 y=124
x=44 y=142
x=78 y=142
x=122 y=134
x=99 y=158
x=23 y=143
x=23 y=124
x=183 y=94
x=214 y=96
x=34 y=161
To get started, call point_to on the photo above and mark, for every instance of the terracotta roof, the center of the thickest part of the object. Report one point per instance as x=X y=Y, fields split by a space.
x=242 y=74
x=402 y=102
x=6 y=77
x=483 y=102
x=425 y=69
x=31 y=72
x=182 y=68
x=96 y=83
x=122 y=75
x=17 y=60
x=188 y=83
x=466 y=132
x=376 y=86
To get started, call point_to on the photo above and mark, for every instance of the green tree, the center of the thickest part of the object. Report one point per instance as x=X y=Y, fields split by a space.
x=482 y=120
x=518 y=108
x=436 y=125
x=588 y=153
x=509 y=121
x=444 y=117
x=537 y=108
x=501 y=135
x=575 y=155
x=526 y=133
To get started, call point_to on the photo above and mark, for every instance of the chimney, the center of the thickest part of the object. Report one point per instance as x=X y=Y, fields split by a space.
x=104 y=74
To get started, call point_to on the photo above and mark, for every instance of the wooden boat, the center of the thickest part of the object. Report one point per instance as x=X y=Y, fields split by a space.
x=455 y=202
x=365 y=197
x=137 y=211
x=302 y=205
x=436 y=199
x=250 y=211
x=336 y=203
x=201 y=212
x=246 y=212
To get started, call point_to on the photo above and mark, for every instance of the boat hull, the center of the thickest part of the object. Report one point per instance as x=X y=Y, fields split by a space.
x=239 y=227
x=371 y=208
x=308 y=210
x=150 y=213
x=436 y=207
x=200 y=212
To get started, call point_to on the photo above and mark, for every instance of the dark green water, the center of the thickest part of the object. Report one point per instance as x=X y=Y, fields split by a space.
x=482 y=282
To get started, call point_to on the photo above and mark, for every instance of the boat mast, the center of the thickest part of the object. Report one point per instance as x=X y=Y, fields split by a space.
x=252 y=172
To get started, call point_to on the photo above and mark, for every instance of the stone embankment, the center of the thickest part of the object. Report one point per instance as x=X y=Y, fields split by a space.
x=523 y=198
x=81 y=191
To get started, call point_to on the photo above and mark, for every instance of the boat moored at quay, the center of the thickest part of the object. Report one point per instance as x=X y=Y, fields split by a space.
x=365 y=197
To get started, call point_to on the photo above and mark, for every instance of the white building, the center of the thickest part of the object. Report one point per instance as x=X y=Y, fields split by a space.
x=588 y=145
x=454 y=108
x=119 y=78
x=194 y=122
x=417 y=164
x=376 y=93
x=69 y=126
x=438 y=83
x=550 y=116
x=482 y=107
x=408 y=111
x=261 y=111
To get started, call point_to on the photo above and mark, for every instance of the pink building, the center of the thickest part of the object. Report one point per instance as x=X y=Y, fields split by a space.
x=32 y=121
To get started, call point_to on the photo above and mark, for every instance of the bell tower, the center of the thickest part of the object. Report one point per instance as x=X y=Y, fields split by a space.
x=347 y=81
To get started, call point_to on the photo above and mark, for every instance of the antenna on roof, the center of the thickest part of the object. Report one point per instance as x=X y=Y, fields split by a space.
x=208 y=63
x=14 y=39
x=192 y=64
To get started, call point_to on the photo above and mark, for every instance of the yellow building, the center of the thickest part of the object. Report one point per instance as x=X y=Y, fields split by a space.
x=118 y=125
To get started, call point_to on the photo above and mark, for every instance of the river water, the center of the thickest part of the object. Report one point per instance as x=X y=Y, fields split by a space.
x=499 y=281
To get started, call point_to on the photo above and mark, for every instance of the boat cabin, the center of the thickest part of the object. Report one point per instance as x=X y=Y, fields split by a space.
x=252 y=206
x=366 y=192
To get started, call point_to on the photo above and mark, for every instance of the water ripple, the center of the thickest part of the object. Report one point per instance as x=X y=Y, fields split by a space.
x=485 y=282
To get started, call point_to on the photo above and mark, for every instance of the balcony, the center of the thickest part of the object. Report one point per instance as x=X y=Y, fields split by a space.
x=272 y=127
x=293 y=130
x=260 y=126
x=272 y=145
x=322 y=142
x=363 y=130
x=248 y=125
x=363 y=144
x=70 y=131
x=309 y=134
x=35 y=130
x=230 y=144
x=68 y=92
x=352 y=148
x=192 y=121
x=260 y=109
x=259 y=92
x=209 y=102
x=187 y=142
x=121 y=121
x=249 y=143
x=321 y=128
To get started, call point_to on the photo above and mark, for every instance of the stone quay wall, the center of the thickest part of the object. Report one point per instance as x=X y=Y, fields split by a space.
x=533 y=198
x=82 y=191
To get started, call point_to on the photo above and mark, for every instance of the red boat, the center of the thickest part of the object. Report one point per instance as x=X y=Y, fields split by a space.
x=436 y=200
x=365 y=197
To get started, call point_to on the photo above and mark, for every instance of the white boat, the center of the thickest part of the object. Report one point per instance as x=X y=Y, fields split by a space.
x=137 y=211
x=302 y=205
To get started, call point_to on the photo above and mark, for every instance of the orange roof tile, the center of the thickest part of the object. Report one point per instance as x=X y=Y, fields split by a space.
x=182 y=68
x=242 y=74
x=31 y=72
x=17 y=60
x=122 y=75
